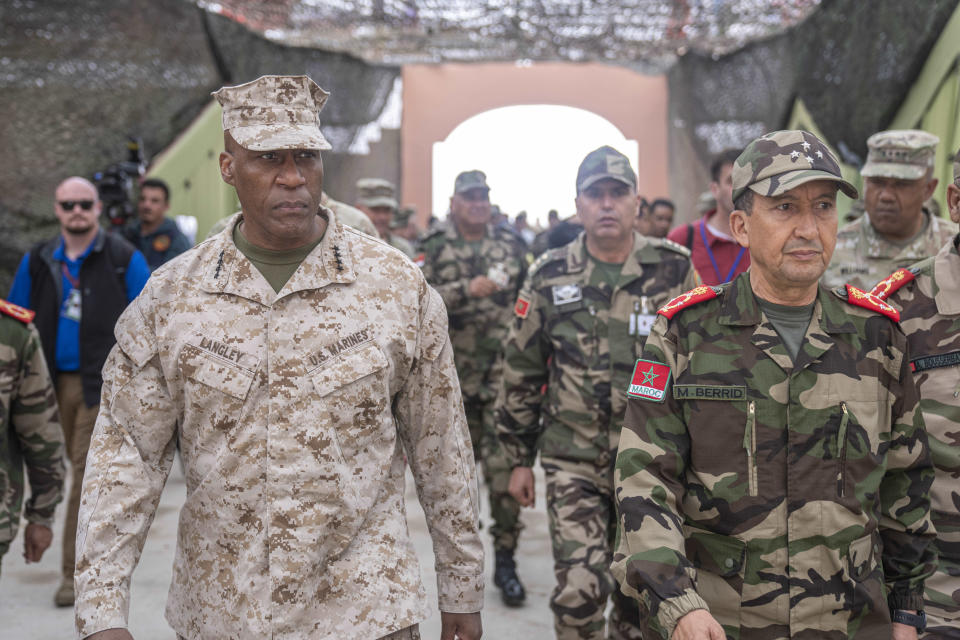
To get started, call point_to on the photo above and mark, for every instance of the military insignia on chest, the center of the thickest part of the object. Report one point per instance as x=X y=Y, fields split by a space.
x=566 y=293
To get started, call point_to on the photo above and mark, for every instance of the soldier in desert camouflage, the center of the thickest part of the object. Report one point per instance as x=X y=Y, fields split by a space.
x=898 y=229
x=298 y=363
x=773 y=474
x=30 y=435
x=928 y=297
x=581 y=321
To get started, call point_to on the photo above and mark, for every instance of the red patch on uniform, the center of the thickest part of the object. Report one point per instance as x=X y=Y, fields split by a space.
x=161 y=243
x=522 y=308
x=420 y=260
x=14 y=311
x=894 y=281
x=692 y=297
x=868 y=301
x=649 y=381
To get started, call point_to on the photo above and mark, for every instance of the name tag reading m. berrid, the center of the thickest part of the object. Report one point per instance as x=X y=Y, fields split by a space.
x=708 y=392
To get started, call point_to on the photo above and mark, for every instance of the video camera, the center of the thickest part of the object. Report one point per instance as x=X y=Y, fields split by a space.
x=117 y=184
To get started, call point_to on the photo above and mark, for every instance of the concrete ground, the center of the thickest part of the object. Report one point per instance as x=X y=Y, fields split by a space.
x=26 y=591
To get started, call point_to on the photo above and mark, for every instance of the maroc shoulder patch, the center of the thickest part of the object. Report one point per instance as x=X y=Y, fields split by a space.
x=23 y=315
x=649 y=381
x=894 y=281
x=868 y=301
x=522 y=308
x=690 y=298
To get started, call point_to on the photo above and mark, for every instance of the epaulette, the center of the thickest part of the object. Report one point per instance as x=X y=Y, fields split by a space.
x=543 y=259
x=672 y=246
x=23 y=315
x=894 y=281
x=688 y=299
x=860 y=298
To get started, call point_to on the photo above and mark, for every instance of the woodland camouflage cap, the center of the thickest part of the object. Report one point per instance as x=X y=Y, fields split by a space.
x=274 y=112
x=779 y=161
x=605 y=162
x=468 y=180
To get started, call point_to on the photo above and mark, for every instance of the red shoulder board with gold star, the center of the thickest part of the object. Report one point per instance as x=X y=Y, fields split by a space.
x=23 y=315
x=690 y=298
x=894 y=281
x=869 y=301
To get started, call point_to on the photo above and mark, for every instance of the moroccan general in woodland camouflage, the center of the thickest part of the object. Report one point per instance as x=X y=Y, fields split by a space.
x=581 y=321
x=780 y=493
x=30 y=433
x=928 y=296
x=478 y=268
x=298 y=397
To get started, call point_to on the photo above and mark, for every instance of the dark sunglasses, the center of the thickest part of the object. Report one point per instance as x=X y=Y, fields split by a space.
x=68 y=205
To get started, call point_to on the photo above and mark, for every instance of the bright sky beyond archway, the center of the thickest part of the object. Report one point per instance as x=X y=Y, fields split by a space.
x=530 y=154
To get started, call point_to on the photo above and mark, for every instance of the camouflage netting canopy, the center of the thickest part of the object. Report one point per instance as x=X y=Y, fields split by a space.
x=644 y=34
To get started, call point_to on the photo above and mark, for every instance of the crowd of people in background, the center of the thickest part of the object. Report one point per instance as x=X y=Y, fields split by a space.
x=637 y=358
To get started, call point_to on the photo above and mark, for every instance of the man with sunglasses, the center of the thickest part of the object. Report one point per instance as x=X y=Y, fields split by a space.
x=78 y=283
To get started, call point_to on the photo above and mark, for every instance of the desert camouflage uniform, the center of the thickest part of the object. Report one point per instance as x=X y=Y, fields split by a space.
x=862 y=257
x=30 y=429
x=294 y=412
x=791 y=500
x=580 y=339
x=930 y=317
x=478 y=329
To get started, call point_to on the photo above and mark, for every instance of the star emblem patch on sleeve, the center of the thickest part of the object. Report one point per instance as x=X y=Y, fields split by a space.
x=649 y=381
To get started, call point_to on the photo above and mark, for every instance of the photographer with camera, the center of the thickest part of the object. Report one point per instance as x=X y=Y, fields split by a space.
x=155 y=235
x=78 y=283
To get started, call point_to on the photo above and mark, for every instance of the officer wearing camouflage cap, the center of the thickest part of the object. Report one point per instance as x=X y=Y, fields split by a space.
x=478 y=268
x=298 y=384
x=773 y=474
x=403 y=224
x=928 y=297
x=897 y=230
x=377 y=199
x=581 y=320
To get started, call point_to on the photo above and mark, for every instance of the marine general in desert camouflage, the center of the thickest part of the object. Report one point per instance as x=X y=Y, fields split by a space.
x=928 y=297
x=898 y=229
x=581 y=321
x=478 y=268
x=298 y=363
x=773 y=475
x=30 y=435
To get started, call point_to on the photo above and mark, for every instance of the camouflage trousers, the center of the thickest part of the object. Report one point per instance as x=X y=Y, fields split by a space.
x=583 y=523
x=496 y=472
x=410 y=633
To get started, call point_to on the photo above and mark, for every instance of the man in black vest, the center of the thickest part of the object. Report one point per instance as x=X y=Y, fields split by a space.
x=78 y=284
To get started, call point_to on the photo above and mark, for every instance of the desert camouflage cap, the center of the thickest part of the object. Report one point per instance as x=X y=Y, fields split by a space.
x=274 y=112
x=779 y=161
x=903 y=153
x=468 y=180
x=605 y=162
x=376 y=192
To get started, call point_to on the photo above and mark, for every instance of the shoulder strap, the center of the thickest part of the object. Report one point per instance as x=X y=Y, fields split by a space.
x=688 y=299
x=885 y=288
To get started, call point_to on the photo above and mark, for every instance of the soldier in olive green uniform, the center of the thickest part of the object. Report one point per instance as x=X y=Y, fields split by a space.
x=774 y=473
x=478 y=269
x=897 y=230
x=29 y=433
x=581 y=321
x=377 y=199
x=928 y=296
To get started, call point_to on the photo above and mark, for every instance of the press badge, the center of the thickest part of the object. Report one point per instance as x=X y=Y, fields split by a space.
x=641 y=320
x=71 y=307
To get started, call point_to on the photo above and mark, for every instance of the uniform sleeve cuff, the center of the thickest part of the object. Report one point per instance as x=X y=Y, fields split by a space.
x=905 y=600
x=672 y=609
x=39 y=518
x=460 y=593
x=99 y=610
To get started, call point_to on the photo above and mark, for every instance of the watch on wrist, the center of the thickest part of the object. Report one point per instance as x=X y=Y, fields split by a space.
x=918 y=620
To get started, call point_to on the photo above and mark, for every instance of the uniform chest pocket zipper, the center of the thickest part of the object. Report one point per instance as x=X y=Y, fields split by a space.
x=842 y=450
x=750 y=446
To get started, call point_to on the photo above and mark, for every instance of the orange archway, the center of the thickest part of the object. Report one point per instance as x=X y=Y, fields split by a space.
x=437 y=98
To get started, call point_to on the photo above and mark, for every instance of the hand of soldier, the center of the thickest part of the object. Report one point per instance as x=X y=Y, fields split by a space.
x=481 y=287
x=460 y=626
x=904 y=632
x=698 y=625
x=522 y=486
x=36 y=540
x=111 y=634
